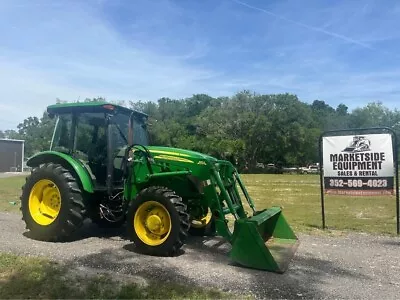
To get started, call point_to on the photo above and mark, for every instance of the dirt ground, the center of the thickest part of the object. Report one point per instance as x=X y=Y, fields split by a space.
x=354 y=266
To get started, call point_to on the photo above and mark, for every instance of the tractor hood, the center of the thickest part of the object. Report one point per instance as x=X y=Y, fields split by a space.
x=181 y=153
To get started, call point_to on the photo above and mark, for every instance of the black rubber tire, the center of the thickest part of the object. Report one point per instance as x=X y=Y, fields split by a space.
x=70 y=217
x=208 y=230
x=179 y=221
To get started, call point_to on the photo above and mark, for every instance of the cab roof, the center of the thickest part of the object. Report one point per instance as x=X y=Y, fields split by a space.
x=91 y=107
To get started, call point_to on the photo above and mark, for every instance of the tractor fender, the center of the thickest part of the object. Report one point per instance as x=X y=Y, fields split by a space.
x=66 y=161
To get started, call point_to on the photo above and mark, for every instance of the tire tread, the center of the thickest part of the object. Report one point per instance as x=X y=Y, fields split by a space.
x=73 y=201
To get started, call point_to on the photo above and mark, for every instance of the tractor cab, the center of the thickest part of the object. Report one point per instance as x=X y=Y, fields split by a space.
x=97 y=134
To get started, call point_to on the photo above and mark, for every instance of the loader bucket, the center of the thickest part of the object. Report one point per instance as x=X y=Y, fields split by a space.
x=264 y=241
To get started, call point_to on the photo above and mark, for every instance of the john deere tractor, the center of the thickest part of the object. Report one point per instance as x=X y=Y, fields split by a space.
x=100 y=166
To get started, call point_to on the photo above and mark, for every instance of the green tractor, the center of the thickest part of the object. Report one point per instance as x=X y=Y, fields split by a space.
x=100 y=166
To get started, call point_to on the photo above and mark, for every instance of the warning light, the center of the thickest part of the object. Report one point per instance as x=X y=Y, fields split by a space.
x=109 y=106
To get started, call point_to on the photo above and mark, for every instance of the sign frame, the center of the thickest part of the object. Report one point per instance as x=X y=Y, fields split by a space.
x=359 y=131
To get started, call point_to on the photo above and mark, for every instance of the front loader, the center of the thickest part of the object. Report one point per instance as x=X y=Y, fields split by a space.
x=100 y=166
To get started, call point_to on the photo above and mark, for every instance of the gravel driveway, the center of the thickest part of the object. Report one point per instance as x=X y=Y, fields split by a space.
x=357 y=266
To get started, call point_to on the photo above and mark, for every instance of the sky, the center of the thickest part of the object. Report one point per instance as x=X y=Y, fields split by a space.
x=338 y=51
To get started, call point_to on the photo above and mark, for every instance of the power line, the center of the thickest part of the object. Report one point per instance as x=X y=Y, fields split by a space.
x=318 y=29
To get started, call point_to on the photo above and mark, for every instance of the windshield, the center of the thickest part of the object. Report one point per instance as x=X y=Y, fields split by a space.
x=89 y=139
x=140 y=133
x=85 y=133
x=120 y=127
x=62 y=134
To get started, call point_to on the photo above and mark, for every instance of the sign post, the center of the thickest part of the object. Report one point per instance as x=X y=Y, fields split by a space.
x=359 y=162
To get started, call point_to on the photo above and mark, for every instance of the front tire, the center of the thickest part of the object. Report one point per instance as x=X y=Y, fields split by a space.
x=51 y=203
x=158 y=223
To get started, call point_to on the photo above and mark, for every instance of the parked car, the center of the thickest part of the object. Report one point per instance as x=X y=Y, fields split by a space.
x=311 y=169
x=267 y=168
x=291 y=170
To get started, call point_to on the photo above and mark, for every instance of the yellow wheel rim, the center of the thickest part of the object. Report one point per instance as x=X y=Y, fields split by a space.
x=152 y=223
x=203 y=222
x=44 y=202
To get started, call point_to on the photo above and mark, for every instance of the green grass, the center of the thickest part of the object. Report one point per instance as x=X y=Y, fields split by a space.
x=10 y=191
x=299 y=195
x=29 y=277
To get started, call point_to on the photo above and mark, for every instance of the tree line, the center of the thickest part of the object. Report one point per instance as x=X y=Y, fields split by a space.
x=246 y=128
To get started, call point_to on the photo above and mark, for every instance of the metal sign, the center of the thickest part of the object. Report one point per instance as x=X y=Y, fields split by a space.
x=358 y=165
x=359 y=162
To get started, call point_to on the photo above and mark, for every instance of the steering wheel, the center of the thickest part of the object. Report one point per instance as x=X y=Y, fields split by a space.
x=126 y=158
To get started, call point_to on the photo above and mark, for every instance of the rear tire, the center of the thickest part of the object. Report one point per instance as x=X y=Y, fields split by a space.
x=51 y=203
x=158 y=223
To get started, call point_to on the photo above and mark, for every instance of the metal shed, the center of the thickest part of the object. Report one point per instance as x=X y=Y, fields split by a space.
x=11 y=155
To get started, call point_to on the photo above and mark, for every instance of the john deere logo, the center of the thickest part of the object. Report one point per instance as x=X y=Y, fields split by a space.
x=359 y=144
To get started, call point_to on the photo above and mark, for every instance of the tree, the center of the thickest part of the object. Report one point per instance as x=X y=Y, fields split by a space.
x=12 y=134
x=374 y=114
x=246 y=127
x=341 y=110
